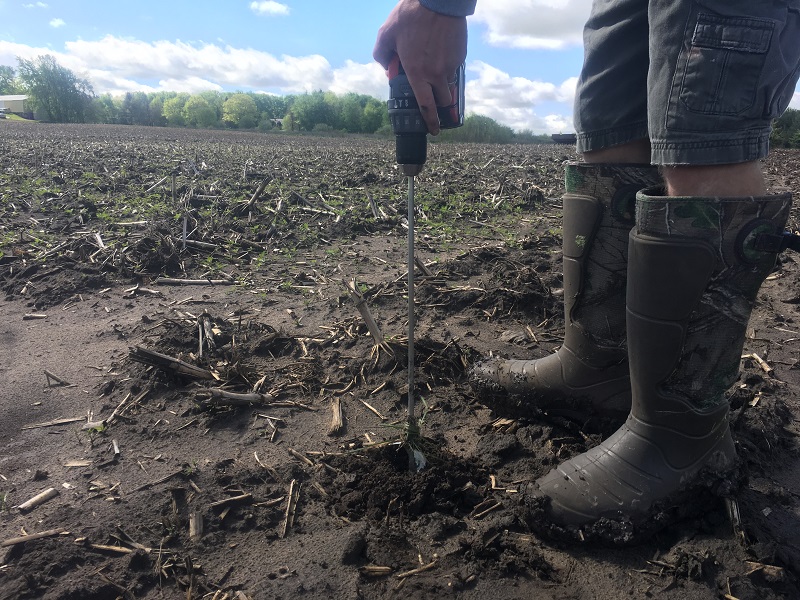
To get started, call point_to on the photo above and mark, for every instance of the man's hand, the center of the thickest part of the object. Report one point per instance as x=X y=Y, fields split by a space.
x=431 y=47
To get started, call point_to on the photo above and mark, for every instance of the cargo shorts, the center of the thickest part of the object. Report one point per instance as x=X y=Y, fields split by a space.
x=702 y=79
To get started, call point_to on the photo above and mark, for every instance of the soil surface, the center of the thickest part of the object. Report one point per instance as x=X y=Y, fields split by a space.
x=148 y=276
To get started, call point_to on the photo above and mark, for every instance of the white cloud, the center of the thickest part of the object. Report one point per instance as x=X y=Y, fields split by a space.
x=514 y=101
x=35 y=5
x=9 y=51
x=795 y=101
x=269 y=8
x=56 y=23
x=532 y=24
x=115 y=64
x=369 y=79
x=226 y=66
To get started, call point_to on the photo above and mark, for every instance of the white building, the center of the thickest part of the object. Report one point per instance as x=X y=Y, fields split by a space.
x=14 y=104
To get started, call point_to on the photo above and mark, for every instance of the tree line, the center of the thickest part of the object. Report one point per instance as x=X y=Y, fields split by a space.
x=786 y=130
x=58 y=95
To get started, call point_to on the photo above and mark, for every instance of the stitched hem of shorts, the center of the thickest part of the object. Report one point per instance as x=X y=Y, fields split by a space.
x=605 y=138
x=710 y=152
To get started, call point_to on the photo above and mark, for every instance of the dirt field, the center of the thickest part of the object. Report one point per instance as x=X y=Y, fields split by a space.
x=165 y=489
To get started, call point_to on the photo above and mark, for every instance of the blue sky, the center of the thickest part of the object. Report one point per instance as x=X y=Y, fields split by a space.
x=524 y=55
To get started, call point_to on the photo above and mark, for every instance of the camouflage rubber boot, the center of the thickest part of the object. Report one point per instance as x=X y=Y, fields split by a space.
x=695 y=267
x=589 y=372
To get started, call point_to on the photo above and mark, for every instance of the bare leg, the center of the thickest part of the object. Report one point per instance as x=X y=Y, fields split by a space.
x=737 y=180
x=635 y=152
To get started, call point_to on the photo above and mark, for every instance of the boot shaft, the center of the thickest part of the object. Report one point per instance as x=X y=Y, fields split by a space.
x=694 y=275
x=598 y=216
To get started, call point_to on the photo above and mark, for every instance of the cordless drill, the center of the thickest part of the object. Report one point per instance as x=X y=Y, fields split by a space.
x=412 y=149
x=407 y=124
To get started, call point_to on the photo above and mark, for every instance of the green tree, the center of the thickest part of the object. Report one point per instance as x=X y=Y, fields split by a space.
x=786 y=130
x=240 y=111
x=157 y=111
x=265 y=122
x=7 y=80
x=478 y=128
x=312 y=109
x=215 y=100
x=104 y=110
x=351 y=113
x=288 y=123
x=173 y=110
x=273 y=106
x=197 y=112
x=376 y=115
x=526 y=136
x=54 y=90
x=135 y=109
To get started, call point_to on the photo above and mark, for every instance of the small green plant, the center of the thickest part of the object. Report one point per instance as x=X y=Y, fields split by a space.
x=99 y=428
x=410 y=437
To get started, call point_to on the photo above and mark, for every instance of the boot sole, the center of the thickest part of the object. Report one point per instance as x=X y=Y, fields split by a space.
x=692 y=501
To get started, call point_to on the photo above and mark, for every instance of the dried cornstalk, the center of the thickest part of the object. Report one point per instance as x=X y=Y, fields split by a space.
x=156 y=359
x=155 y=185
x=257 y=194
x=150 y=484
x=373 y=410
x=33 y=536
x=205 y=329
x=222 y=397
x=361 y=305
x=770 y=572
x=38 y=499
x=337 y=421
x=761 y=363
x=107 y=548
x=171 y=281
x=53 y=423
x=243 y=499
x=374 y=207
x=300 y=457
x=291 y=507
x=422 y=267
x=375 y=571
x=50 y=375
x=421 y=569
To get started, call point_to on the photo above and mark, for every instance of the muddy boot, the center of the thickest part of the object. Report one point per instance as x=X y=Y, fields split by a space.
x=589 y=372
x=695 y=266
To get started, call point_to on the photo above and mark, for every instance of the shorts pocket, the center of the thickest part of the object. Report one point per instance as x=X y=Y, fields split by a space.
x=720 y=67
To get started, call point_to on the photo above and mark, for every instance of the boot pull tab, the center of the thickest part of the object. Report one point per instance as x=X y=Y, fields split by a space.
x=771 y=242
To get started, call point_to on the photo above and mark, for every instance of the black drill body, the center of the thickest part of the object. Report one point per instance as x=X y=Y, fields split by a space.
x=407 y=124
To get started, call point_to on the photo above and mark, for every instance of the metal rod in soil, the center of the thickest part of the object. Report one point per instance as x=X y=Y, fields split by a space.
x=411 y=319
